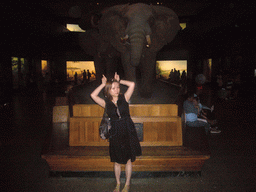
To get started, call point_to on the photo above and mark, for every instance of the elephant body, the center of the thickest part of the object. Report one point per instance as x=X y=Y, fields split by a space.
x=138 y=32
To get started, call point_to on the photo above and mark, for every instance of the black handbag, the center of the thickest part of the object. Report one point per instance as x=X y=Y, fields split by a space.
x=105 y=126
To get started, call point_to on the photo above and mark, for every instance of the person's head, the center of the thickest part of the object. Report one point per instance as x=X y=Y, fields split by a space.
x=112 y=89
x=195 y=100
x=190 y=96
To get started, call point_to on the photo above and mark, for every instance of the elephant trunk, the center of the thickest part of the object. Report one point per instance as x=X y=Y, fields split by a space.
x=137 y=41
x=139 y=38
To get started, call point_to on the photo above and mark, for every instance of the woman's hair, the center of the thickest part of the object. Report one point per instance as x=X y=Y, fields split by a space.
x=108 y=86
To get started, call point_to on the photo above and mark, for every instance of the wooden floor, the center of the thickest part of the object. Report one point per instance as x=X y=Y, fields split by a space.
x=153 y=159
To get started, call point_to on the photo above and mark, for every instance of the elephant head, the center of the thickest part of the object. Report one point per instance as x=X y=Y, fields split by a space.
x=138 y=28
x=138 y=32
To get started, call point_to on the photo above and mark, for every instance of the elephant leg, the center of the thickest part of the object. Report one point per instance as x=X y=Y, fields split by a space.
x=129 y=70
x=148 y=71
x=99 y=68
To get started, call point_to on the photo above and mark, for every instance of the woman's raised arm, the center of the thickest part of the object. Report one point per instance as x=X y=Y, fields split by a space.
x=129 y=84
x=95 y=93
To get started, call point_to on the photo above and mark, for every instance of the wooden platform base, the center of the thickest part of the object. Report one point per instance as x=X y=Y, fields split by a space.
x=77 y=146
x=153 y=159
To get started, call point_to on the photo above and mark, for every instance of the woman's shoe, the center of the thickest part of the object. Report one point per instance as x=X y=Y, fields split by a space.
x=117 y=189
x=126 y=188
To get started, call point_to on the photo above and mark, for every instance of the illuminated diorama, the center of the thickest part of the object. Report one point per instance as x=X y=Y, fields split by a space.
x=171 y=70
x=44 y=67
x=163 y=70
x=79 y=67
x=18 y=72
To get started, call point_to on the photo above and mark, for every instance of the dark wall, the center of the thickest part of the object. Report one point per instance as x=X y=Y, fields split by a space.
x=5 y=78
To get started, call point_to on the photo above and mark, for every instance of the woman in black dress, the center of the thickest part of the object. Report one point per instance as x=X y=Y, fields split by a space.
x=124 y=144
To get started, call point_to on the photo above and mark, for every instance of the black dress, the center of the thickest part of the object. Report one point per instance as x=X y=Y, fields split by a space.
x=123 y=142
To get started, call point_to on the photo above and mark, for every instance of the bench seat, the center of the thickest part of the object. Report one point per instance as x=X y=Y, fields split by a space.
x=154 y=158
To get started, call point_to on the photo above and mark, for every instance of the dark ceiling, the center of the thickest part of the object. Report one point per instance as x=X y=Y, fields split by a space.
x=26 y=23
x=181 y=7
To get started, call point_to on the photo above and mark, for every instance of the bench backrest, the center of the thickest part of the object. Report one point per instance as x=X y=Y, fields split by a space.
x=161 y=124
x=138 y=110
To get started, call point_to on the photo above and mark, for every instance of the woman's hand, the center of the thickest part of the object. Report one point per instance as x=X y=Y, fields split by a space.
x=104 y=80
x=116 y=77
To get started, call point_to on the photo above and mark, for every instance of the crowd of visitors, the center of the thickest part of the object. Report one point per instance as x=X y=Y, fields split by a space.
x=176 y=77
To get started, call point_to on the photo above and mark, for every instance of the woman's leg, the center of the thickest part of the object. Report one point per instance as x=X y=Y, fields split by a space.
x=128 y=172
x=117 y=169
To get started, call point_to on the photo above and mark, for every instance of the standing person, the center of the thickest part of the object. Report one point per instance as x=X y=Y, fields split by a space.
x=124 y=144
x=84 y=76
x=75 y=77
x=88 y=76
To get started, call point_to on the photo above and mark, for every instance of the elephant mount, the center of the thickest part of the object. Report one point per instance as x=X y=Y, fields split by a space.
x=129 y=35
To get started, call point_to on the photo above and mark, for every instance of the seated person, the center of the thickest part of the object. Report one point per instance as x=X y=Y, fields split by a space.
x=191 y=109
x=204 y=112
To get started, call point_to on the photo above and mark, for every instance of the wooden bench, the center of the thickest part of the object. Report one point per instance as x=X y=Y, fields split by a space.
x=161 y=125
x=162 y=145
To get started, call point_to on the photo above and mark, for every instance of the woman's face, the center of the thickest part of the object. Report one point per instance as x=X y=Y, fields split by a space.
x=115 y=89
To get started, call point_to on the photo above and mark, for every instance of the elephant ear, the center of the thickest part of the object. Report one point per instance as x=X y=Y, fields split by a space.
x=92 y=43
x=112 y=25
x=166 y=26
x=88 y=41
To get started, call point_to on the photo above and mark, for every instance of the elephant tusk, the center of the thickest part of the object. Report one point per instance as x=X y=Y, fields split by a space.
x=148 y=40
x=123 y=39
